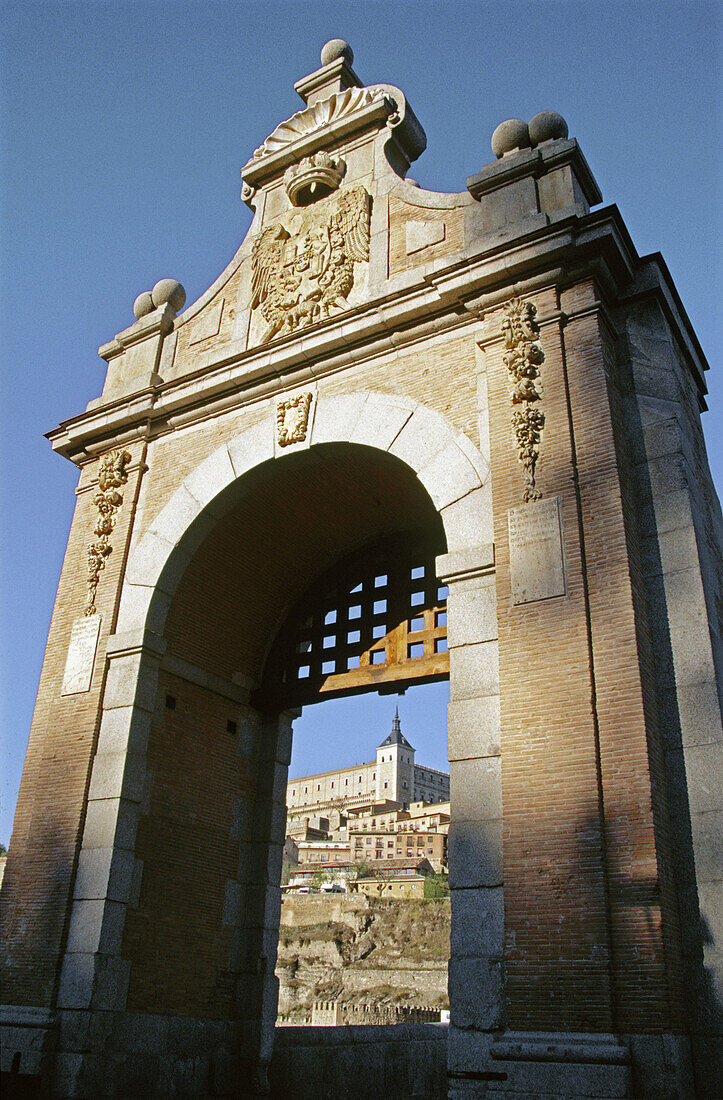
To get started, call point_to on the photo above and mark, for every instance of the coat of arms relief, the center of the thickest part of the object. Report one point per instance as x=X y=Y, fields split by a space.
x=303 y=271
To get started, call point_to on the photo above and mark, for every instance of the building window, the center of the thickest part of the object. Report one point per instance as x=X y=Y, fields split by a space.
x=385 y=786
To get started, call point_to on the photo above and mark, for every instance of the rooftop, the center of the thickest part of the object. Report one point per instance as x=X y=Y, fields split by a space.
x=396 y=737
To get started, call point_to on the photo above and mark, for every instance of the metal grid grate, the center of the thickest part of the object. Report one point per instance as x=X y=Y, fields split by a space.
x=375 y=618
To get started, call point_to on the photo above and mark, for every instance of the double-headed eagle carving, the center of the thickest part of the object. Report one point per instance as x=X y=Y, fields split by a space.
x=297 y=280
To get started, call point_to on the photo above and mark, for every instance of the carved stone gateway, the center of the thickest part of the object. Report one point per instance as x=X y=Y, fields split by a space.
x=404 y=436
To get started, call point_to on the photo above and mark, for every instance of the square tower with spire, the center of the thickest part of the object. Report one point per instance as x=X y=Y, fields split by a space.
x=395 y=766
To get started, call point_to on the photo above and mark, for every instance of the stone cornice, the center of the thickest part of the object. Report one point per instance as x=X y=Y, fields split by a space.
x=450 y=296
x=466 y=565
x=135 y=643
x=157 y=323
x=535 y=163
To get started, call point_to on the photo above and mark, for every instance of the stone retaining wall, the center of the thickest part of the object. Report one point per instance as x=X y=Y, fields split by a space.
x=406 y=1061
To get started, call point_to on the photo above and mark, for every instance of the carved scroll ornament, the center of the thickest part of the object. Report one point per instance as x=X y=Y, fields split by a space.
x=523 y=356
x=305 y=275
x=292 y=419
x=111 y=476
x=321 y=114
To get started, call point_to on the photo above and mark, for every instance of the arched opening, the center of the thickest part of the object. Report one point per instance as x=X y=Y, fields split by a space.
x=200 y=934
x=365 y=851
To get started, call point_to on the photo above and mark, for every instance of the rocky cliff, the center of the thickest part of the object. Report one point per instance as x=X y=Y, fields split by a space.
x=362 y=950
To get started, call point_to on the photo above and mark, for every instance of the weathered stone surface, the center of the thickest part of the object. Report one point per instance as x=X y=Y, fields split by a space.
x=104 y=873
x=468 y=522
x=536 y=560
x=407 y=1061
x=473 y=728
x=476 y=788
x=510 y=136
x=475 y=991
x=546 y=126
x=472 y=610
x=80 y=659
x=474 y=671
x=478 y=923
x=475 y=853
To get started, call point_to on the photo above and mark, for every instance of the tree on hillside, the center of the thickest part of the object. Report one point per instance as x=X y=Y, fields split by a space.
x=436 y=886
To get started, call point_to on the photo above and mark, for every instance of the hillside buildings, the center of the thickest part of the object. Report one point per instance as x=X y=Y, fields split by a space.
x=391 y=837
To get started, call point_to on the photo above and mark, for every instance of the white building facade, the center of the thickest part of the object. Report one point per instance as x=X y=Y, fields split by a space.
x=393 y=777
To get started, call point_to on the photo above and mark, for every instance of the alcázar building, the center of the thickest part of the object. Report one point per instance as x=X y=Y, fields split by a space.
x=393 y=777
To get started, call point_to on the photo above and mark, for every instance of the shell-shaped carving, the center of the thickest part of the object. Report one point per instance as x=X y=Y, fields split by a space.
x=313 y=118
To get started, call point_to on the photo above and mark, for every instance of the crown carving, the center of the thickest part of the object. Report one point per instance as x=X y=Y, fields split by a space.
x=313 y=178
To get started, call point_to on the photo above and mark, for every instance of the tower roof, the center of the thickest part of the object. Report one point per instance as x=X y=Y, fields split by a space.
x=396 y=737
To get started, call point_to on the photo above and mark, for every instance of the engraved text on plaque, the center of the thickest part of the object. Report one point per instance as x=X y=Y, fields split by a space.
x=81 y=655
x=536 y=564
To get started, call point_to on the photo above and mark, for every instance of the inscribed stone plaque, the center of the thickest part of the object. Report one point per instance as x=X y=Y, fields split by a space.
x=81 y=655
x=536 y=565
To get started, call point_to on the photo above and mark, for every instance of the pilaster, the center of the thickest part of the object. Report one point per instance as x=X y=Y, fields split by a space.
x=476 y=965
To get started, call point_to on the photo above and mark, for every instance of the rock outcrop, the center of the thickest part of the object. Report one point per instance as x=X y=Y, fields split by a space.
x=363 y=951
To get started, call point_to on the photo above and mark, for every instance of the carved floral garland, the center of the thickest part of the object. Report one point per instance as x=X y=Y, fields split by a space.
x=111 y=476
x=523 y=356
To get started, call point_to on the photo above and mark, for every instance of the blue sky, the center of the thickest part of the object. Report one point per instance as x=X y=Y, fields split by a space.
x=123 y=127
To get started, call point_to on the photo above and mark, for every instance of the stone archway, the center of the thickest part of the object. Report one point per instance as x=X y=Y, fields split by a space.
x=124 y=958
x=530 y=323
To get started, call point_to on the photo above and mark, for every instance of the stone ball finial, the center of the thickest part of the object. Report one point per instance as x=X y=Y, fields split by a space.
x=171 y=291
x=546 y=126
x=510 y=135
x=336 y=48
x=143 y=305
